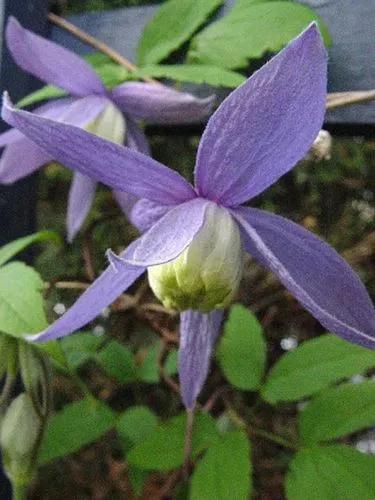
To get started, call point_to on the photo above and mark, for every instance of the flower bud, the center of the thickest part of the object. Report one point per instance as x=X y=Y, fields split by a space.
x=206 y=275
x=109 y=124
x=19 y=437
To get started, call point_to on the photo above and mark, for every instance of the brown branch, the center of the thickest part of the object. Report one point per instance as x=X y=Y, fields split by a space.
x=96 y=44
x=340 y=99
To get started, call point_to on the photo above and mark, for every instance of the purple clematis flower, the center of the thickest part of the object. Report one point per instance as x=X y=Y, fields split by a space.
x=109 y=114
x=194 y=238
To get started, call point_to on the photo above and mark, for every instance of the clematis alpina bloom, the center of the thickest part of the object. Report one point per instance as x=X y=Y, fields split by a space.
x=194 y=238
x=112 y=114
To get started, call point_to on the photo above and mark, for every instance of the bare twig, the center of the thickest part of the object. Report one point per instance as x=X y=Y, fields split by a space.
x=340 y=99
x=96 y=44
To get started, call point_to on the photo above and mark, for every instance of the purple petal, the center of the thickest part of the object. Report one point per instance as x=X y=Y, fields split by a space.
x=81 y=196
x=10 y=137
x=313 y=272
x=166 y=239
x=119 y=167
x=23 y=157
x=50 y=62
x=197 y=338
x=161 y=105
x=105 y=289
x=266 y=125
x=145 y=214
x=126 y=201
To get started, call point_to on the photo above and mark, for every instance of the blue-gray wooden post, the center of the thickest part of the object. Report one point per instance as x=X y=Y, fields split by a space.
x=17 y=201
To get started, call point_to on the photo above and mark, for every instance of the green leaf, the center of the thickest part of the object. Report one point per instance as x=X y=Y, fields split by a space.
x=14 y=247
x=172 y=25
x=195 y=73
x=164 y=448
x=135 y=425
x=331 y=473
x=338 y=411
x=242 y=349
x=112 y=74
x=44 y=94
x=225 y=470
x=21 y=301
x=76 y=425
x=315 y=364
x=118 y=361
x=80 y=348
x=148 y=369
x=249 y=31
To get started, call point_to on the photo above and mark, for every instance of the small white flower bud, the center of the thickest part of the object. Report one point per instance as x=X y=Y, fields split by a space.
x=109 y=124
x=321 y=148
x=206 y=275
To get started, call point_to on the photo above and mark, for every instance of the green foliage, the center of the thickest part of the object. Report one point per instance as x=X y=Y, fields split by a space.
x=14 y=247
x=338 y=411
x=148 y=368
x=80 y=348
x=329 y=473
x=76 y=425
x=21 y=301
x=172 y=25
x=225 y=470
x=163 y=449
x=251 y=29
x=135 y=425
x=117 y=361
x=195 y=73
x=242 y=349
x=314 y=365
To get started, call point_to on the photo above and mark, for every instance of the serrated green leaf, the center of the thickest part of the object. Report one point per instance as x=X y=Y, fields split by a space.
x=249 y=31
x=14 y=247
x=315 y=364
x=172 y=25
x=329 y=473
x=242 y=349
x=118 y=361
x=148 y=369
x=21 y=301
x=76 y=425
x=338 y=411
x=135 y=424
x=164 y=448
x=80 y=348
x=195 y=73
x=225 y=470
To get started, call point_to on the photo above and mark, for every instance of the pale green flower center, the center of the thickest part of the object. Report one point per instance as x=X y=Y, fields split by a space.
x=206 y=275
x=109 y=124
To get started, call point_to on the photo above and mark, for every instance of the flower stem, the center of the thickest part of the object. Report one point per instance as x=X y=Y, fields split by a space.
x=188 y=442
x=97 y=44
x=340 y=99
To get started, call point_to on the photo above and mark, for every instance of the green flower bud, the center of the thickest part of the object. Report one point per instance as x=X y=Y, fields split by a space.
x=206 y=275
x=109 y=124
x=19 y=438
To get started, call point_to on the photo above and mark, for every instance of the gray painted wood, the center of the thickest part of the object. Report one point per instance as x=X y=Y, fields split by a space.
x=351 y=24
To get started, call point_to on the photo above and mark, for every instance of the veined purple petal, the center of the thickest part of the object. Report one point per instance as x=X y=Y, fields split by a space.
x=10 y=137
x=50 y=62
x=161 y=105
x=144 y=214
x=198 y=333
x=313 y=272
x=81 y=196
x=166 y=239
x=266 y=125
x=105 y=289
x=23 y=157
x=117 y=166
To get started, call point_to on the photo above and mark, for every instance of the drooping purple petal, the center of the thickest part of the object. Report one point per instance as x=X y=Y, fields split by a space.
x=168 y=237
x=105 y=289
x=313 y=272
x=198 y=333
x=145 y=213
x=159 y=104
x=117 y=166
x=50 y=62
x=266 y=125
x=10 y=137
x=81 y=196
x=22 y=156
